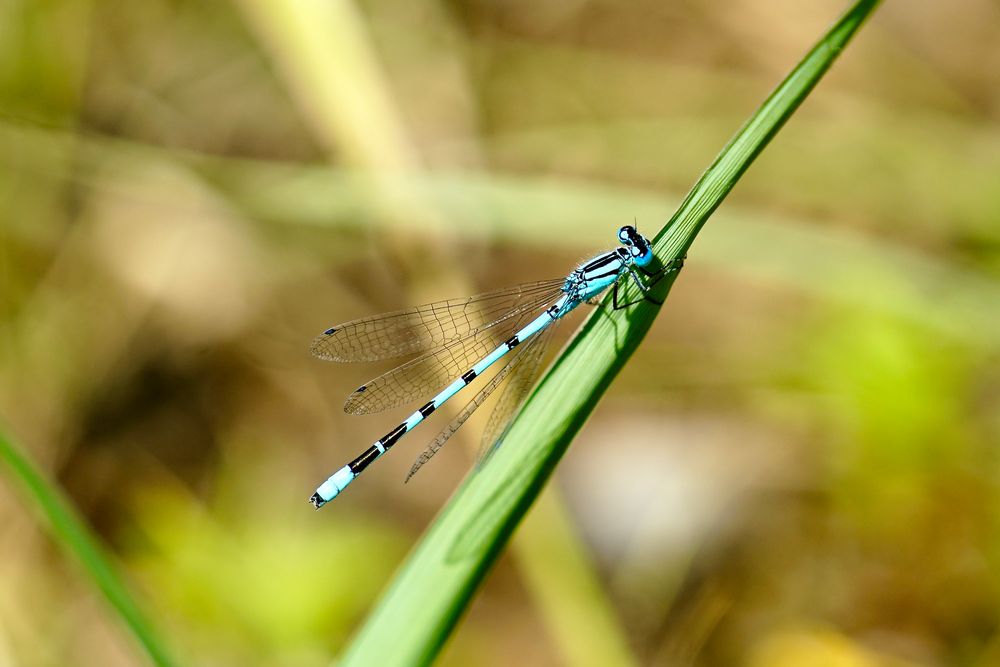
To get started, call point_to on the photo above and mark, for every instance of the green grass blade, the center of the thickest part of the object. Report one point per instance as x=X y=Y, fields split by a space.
x=434 y=586
x=674 y=239
x=78 y=541
x=576 y=613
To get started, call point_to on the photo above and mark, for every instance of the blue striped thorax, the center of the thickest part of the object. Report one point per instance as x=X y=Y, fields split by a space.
x=604 y=270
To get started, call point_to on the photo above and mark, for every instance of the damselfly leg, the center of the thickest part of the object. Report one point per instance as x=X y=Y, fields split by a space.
x=653 y=277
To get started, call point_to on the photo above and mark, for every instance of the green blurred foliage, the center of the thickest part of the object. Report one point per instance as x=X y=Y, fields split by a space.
x=800 y=463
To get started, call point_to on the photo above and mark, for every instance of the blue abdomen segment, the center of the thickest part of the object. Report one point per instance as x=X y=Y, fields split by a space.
x=445 y=394
x=329 y=489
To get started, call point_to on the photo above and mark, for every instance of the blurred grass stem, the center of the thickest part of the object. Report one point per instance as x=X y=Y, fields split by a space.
x=77 y=540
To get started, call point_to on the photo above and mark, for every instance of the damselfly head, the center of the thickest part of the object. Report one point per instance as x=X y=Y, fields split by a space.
x=626 y=234
x=637 y=244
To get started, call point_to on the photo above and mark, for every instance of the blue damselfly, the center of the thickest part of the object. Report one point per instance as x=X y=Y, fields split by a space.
x=448 y=336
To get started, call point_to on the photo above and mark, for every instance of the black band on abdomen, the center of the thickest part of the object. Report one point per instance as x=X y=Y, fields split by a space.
x=365 y=460
x=389 y=439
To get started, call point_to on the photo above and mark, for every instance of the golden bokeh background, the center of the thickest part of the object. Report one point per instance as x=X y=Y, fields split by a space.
x=798 y=467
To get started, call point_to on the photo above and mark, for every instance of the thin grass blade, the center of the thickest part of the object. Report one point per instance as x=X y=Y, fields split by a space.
x=433 y=588
x=79 y=543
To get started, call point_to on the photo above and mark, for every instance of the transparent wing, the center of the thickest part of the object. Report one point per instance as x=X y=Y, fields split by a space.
x=419 y=329
x=522 y=379
x=523 y=355
x=433 y=370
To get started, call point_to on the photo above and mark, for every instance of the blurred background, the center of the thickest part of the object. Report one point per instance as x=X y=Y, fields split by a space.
x=800 y=461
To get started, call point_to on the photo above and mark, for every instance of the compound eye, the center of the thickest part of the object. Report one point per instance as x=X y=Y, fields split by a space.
x=626 y=233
